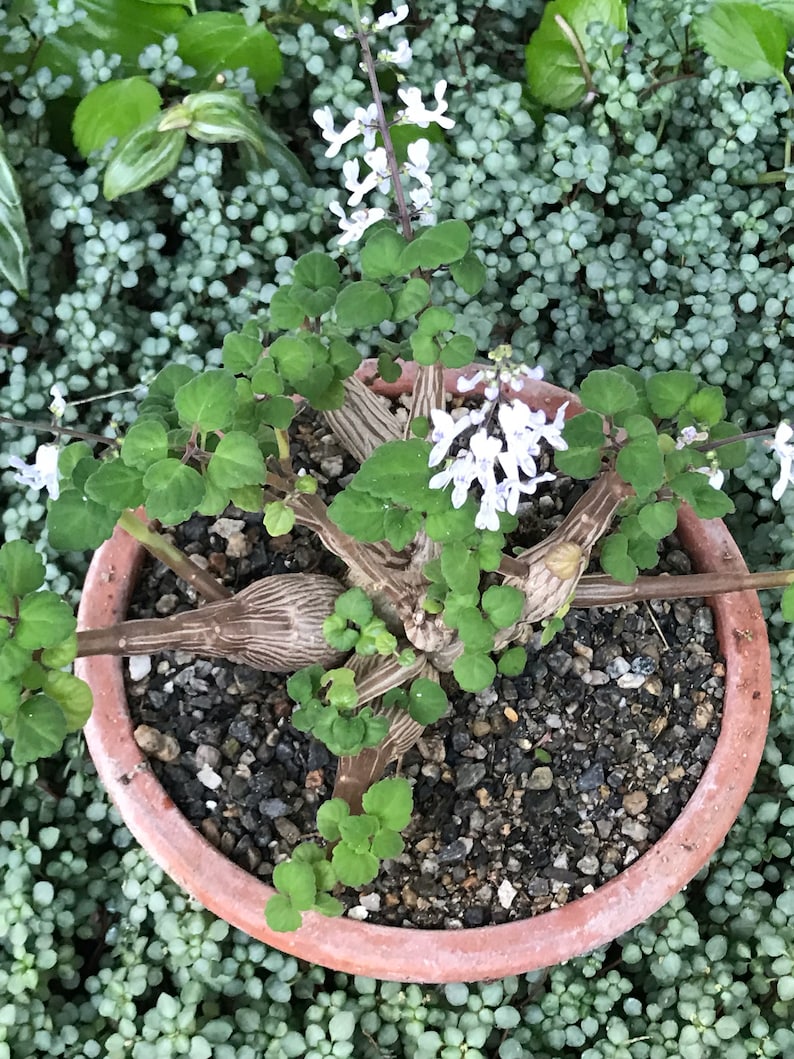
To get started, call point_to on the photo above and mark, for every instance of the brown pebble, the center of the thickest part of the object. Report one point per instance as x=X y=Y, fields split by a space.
x=635 y=802
x=210 y=831
x=483 y=797
x=156 y=744
x=703 y=713
x=510 y=714
x=480 y=728
x=391 y=900
x=314 y=779
x=409 y=897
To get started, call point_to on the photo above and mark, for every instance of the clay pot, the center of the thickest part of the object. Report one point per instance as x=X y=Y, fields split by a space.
x=413 y=955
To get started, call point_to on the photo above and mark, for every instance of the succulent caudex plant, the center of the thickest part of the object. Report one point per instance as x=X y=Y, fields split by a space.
x=432 y=586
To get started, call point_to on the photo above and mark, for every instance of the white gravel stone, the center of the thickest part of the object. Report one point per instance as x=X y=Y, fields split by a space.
x=506 y=893
x=209 y=777
x=140 y=666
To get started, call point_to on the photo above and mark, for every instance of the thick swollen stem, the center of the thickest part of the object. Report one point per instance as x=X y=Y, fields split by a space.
x=275 y=624
x=161 y=548
x=364 y=422
x=598 y=590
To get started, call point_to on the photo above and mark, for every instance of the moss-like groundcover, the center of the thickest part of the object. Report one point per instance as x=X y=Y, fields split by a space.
x=649 y=227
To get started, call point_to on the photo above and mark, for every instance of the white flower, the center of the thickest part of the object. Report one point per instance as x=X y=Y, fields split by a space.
x=781 y=445
x=58 y=406
x=378 y=176
x=391 y=18
x=416 y=113
x=445 y=430
x=462 y=472
x=344 y=33
x=715 y=475
x=353 y=227
x=418 y=162
x=43 y=474
x=400 y=56
x=466 y=385
x=363 y=123
x=688 y=436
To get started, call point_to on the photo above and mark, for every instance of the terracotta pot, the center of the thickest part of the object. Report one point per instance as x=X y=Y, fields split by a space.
x=413 y=955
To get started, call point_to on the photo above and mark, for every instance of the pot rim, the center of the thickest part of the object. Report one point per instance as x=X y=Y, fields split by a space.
x=411 y=954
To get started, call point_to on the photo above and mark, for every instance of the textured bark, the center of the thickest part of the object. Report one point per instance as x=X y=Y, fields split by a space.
x=428 y=393
x=274 y=625
x=599 y=590
x=364 y=421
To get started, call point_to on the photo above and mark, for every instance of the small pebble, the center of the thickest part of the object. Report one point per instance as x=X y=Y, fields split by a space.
x=617 y=667
x=541 y=779
x=588 y=865
x=156 y=744
x=209 y=777
x=506 y=893
x=635 y=830
x=140 y=666
x=635 y=802
x=630 y=680
x=358 y=912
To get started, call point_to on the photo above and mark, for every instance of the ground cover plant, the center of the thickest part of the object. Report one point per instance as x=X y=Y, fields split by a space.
x=713 y=312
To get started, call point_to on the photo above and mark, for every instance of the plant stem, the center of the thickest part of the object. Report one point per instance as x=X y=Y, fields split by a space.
x=53 y=428
x=598 y=590
x=161 y=548
x=576 y=44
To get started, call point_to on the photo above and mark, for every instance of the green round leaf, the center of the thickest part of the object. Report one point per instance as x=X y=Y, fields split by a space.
x=435 y=246
x=281 y=915
x=38 y=729
x=296 y=880
x=72 y=695
x=44 y=621
x=237 y=461
x=115 y=485
x=217 y=40
x=173 y=491
x=658 y=520
x=380 y=255
x=75 y=523
x=503 y=605
x=410 y=299
x=607 y=392
x=427 y=701
x=362 y=304
x=279 y=519
x=512 y=662
x=474 y=671
x=668 y=392
x=390 y=801
x=207 y=401
x=21 y=567
x=113 y=109
x=615 y=559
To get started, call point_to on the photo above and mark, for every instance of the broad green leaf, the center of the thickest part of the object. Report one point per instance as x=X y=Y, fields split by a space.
x=278 y=412
x=380 y=255
x=62 y=654
x=44 y=621
x=355 y=606
x=313 y=302
x=293 y=357
x=279 y=519
x=21 y=567
x=668 y=392
x=427 y=702
x=475 y=631
x=434 y=320
x=503 y=605
x=113 y=484
x=729 y=456
x=237 y=461
x=460 y=568
x=145 y=443
x=266 y=379
x=641 y=464
x=354 y=869
x=329 y=816
x=707 y=406
x=356 y=831
x=458 y=352
x=338 y=635
x=305 y=683
x=398 y=472
x=615 y=559
x=241 y=352
x=345 y=358
x=219 y=40
x=401 y=527
x=173 y=491
x=512 y=662
x=658 y=520
x=433 y=247
x=554 y=71
x=14 y=239
x=281 y=915
x=705 y=500
x=584 y=435
x=14 y=660
x=359 y=514
x=73 y=695
x=208 y=401
x=71 y=455
x=362 y=304
x=317 y=270
x=410 y=299
x=296 y=880
x=784 y=9
x=113 y=110
x=327 y=905
x=117 y=27
x=748 y=37
x=75 y=523
x=474 y=671
x=469 y=273
x=143 y=157
x=387 y=844
x=607 y=392
x=38 y=729
x=10 y=698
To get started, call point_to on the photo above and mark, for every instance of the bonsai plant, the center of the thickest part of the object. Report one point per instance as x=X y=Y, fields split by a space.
x=435 y=589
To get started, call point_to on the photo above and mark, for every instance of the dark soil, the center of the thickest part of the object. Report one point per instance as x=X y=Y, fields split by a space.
x=530 y=794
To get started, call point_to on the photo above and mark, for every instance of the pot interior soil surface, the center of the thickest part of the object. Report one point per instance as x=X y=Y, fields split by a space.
x=528 y=795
